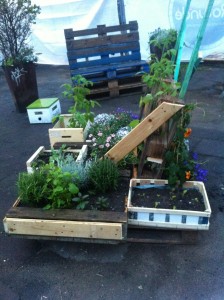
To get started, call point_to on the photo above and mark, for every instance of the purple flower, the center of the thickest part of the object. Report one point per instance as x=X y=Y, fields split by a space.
x=107 y=145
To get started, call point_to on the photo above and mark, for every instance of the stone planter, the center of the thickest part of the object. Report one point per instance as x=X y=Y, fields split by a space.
x=168 y=218
x=60 y=133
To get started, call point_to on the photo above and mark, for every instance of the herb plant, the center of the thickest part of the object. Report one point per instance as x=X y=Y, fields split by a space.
x=103 y=175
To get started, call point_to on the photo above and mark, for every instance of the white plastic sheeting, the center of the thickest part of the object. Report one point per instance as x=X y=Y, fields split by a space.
x=56 y=15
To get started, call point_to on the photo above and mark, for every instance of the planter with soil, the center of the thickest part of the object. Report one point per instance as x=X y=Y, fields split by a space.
x=61 y=133
x=42 y=156
x=151 y=203
x=78 y=225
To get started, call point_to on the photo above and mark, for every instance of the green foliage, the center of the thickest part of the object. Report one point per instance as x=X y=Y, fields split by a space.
x=16 y=19
x=103 y=175
x=102 y=203
x=159 y=80
x=32 y=188
x=80 y=171
x=78 y=93
x=61 y=187
x=179 y=164
x=161 y=41
x=81 y=201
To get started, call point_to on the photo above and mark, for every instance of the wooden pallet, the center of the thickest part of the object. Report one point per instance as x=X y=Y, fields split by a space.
x=107 y=56
x=117 y=87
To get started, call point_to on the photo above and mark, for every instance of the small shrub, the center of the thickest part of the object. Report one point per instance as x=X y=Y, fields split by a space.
x=104 y=175
x=32 y=188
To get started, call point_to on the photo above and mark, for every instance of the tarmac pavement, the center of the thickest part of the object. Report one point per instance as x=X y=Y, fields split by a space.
x=39 y=270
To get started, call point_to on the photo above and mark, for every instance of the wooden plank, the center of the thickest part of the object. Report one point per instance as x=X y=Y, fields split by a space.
x=102 y=41
x=103 y=50
x=119 y=60
x=151 y=123
x=98 y=230
x=67 y=215
x=100 y=30
x=161 y=236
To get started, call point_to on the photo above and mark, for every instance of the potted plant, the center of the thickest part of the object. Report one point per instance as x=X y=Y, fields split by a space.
x=72 y=127
x=162 y=40
x=18 y=58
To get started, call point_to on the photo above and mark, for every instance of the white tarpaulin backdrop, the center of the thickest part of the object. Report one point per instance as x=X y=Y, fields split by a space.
x=56 y=15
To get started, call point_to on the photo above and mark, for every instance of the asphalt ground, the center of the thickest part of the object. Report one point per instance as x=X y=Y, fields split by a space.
x=39 y=270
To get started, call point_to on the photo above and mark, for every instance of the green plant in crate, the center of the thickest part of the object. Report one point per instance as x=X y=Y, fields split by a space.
x=82 y=109
x=103 y=175
x=32 y=188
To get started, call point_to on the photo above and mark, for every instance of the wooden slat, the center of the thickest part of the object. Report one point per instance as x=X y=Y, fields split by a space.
x=98 y=230
x=100 y=30
x=103 y=50
x=119 y=60
x=67 y=214
x=102 y=41
x=151 y=123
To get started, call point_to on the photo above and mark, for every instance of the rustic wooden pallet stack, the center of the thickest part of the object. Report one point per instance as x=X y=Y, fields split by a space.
x=109 y=56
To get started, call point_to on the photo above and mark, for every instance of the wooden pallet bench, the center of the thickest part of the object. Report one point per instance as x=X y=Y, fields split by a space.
x=109 y=56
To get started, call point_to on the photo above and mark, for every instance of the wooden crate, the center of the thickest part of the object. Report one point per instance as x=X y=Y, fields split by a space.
x=65 y=223
x=60 y=133
x=81 y=154
x=168 y=218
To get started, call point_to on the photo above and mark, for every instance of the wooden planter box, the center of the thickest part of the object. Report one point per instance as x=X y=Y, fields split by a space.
x=81 y=155
x=60 y=133
x=168 y=218
x=65 y=223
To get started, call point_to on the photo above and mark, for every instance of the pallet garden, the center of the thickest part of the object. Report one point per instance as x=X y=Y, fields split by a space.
x=136 y=175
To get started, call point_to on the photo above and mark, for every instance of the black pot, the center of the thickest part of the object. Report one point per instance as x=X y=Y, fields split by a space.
x=22 y=82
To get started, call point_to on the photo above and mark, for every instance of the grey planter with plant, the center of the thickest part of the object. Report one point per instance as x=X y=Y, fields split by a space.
x=162 y=40
x=18 y=57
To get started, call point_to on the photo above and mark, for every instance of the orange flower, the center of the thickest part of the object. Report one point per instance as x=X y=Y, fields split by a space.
x=187 y=132
x=188 y=174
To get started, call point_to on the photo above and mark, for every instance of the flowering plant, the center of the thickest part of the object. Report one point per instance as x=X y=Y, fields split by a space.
x=108 y=129
x=180 y=164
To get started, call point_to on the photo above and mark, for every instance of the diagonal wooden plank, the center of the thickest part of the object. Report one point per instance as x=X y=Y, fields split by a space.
x=144 y=129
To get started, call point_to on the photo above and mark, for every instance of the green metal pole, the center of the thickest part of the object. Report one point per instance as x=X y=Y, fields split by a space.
x=194 y=55
x=180 y=41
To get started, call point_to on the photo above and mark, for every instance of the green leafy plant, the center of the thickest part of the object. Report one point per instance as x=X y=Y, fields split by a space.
x=16 y=19
x=162 y=40
x=33 y=188
x=81 y=201
x=103 y=175
x=61 y=186
x=102 y=203
x=159 y=81
x=82 y=109
x=179 y=165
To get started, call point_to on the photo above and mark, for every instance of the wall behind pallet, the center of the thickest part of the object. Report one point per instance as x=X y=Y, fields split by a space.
x=48 y=33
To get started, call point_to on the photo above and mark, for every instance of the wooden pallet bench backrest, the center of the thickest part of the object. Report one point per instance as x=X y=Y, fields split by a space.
x=104 y=45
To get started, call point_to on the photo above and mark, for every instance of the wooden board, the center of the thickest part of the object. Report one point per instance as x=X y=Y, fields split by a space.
x=63 y=228
x=143 y=130
x=62 y=134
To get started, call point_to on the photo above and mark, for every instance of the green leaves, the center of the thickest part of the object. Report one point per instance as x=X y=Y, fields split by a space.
x=82 y=109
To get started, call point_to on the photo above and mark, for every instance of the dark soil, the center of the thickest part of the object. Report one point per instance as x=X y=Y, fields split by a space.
x=182 y=199
x=115 y=199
